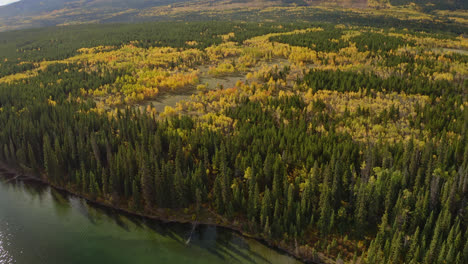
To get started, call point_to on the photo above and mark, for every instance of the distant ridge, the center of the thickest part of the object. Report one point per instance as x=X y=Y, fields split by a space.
x=40 y=13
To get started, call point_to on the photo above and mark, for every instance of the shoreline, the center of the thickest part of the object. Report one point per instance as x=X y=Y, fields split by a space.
x=182 y=219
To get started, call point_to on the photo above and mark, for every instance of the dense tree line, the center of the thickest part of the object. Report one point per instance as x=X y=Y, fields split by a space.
x=8 y=67
x=330 y=40
x=350 y=81
x=429 y=5
x=318 y=40
x=56 y=43
x=444 y=27
x=378 y=42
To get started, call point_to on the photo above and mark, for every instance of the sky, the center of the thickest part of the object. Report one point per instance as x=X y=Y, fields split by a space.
x=6 y=2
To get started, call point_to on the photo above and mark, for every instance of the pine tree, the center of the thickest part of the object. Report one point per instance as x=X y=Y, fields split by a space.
x=32 y=158
x=160 y=187
x=266 y=207
x=105 y=182
x=93 y=186
x=465 y=251
x=50 y=161
x=360 y=212
x=218 y=196
x=147 y=181
x=433 y=247
x=325 y=207
x=136 y=196
x=179 y=188
x=84 y=179
x=413 y=246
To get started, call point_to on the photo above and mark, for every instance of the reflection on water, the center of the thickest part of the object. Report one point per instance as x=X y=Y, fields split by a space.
x=44 y=226
x=5 y=257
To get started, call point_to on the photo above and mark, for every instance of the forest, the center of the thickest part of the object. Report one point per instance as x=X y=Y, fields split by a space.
x=338 y=142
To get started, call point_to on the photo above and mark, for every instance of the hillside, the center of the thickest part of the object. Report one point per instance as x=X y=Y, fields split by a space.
x=32 y=13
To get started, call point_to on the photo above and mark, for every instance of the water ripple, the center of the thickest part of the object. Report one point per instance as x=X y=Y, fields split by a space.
x=5 y=257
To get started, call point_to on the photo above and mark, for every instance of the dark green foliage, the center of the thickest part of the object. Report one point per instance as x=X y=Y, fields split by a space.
x=378 y=42
x=9 y=67
x=366 y=82
x=55 y=43
x=430 y=5
x=319 y=40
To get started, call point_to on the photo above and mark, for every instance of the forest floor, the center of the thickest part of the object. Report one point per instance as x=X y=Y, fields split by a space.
x=212 y=82
x=459 y=51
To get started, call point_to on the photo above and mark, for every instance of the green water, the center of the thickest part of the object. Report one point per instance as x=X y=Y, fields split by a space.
x=43 y=226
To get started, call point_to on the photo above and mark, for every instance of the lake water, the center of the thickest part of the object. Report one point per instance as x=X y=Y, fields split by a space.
x=39 y=225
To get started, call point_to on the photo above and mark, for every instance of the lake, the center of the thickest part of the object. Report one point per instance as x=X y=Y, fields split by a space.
x=40 y=225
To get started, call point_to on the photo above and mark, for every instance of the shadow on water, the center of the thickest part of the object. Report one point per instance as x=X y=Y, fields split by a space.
x=225 y=244
x=230 y=244
x=34 y=189
x=165 y=229
x=234 y=243
x=61 y=202
x=217 y=241
x=125 y=220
